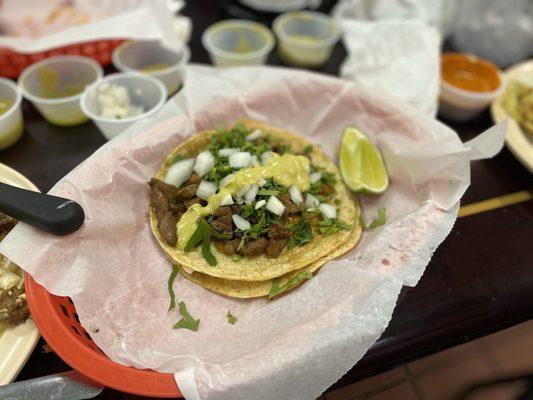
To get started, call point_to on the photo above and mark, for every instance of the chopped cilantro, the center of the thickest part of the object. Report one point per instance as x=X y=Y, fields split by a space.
x=283 y=148
x=173 y=274
x=267 y=192
x=187 y=322
x=302 y=234
x=308 y=149
x=178 y=157
x=276 y=289
x=231 y=318
x=331 y=226
x=206 y=250
x=203 y=234
x=380 y=220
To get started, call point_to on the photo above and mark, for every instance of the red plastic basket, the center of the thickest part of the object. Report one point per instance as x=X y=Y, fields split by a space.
x=12 y=63
x=59 y=324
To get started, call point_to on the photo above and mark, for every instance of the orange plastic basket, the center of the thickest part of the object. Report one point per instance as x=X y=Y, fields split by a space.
x=59 y=324
x=13 y=63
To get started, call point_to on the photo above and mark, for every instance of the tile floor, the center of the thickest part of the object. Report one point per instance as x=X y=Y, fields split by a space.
x=446 y=375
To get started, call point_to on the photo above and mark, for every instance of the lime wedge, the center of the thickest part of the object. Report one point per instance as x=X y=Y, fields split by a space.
x=361 y=165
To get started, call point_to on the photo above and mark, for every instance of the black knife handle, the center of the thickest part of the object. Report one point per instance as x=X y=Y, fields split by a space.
x=48 y=213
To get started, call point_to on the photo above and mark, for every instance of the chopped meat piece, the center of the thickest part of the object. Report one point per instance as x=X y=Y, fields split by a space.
x=228 y=247
x=275 y=247
x=195 y=200
x=188 y=192
x=290 y=207
x=195 y=178
x=167 y=228
x=278 y=231
x=168 y=190
x=159 y=202
x=223 y=224
x=222 y=211
x=6 y=223
x=176 y=206
x=254 y=247
x=13 y=308
x=237 y=209
x=326 y=190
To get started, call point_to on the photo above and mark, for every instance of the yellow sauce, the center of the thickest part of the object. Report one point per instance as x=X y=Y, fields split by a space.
x=51 y=87
x=286 y=170
x=11 y=135
x=5 y=105
x=156 y=67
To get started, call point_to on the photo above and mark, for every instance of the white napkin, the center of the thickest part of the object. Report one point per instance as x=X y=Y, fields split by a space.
x=296 y=346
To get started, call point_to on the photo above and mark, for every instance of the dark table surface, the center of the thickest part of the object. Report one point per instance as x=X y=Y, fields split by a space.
x=479 y=280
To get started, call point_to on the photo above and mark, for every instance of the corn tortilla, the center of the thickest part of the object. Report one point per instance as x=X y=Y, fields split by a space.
x=262 y=268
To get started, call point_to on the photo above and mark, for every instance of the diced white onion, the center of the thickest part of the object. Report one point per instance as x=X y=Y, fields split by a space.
x=253 y=161
x=311 y=201
x=240 y=159
x=243 y=191
x=206 y=189
x=296 y=195
x=240 y=222
x=260 y=204
x=254 y=135
x=179 y=172
x=224 y=181
x=261 y=182
x=227 y=152
x=266 y=156
x=204 y=163
x=275 y=206
x=240 y=200
x=227 y=200
x=315 y=177
x=328 y=210
x=249 y=197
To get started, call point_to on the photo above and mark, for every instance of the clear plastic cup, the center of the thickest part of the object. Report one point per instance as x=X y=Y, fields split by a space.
x=55 y=85
x=143 y=90
x=306 y=38
x=152 y=58
x=237 y=42
x=11 y=123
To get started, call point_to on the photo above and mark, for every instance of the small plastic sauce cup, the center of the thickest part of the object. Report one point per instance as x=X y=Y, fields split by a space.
x=238 y=42
x=11 y=123
x=468 y=85
x=306 y=38
x=55 y=85
x=152 y=58
x=144 y=90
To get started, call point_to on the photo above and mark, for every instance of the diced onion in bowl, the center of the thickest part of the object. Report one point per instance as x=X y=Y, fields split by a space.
x=249 y=197
x=240 y=222
x=311 y=201
x=179 y=172
x=328 y=210
x=315 y=177
x=260 y=204
x=266 y=156
x=224 y=181
x=227 y=200
x=204 y=163
x=296 y=195
x=275 y=206
x=227 y=152
x=240 y=159
x=254 y=135
x=206 y=189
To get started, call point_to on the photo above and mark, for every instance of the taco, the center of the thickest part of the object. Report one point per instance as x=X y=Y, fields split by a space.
x=249 y=205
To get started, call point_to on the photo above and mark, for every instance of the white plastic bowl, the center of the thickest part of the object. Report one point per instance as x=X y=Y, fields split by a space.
x=68 y=70
x=11 y=123
x=237 y=42
x=306 y=38
x=138 y=56
x=143 y=90
x=461 y=105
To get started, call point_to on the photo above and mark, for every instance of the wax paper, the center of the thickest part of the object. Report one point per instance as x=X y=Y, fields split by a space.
x=298 y=345
x=32 y=26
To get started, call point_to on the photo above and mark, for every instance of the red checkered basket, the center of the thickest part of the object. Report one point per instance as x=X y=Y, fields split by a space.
x=12 y=63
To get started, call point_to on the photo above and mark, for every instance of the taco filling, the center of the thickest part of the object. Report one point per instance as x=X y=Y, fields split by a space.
x=248 y=194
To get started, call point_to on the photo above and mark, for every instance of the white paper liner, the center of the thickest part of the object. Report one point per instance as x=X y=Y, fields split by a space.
x=296 y=346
